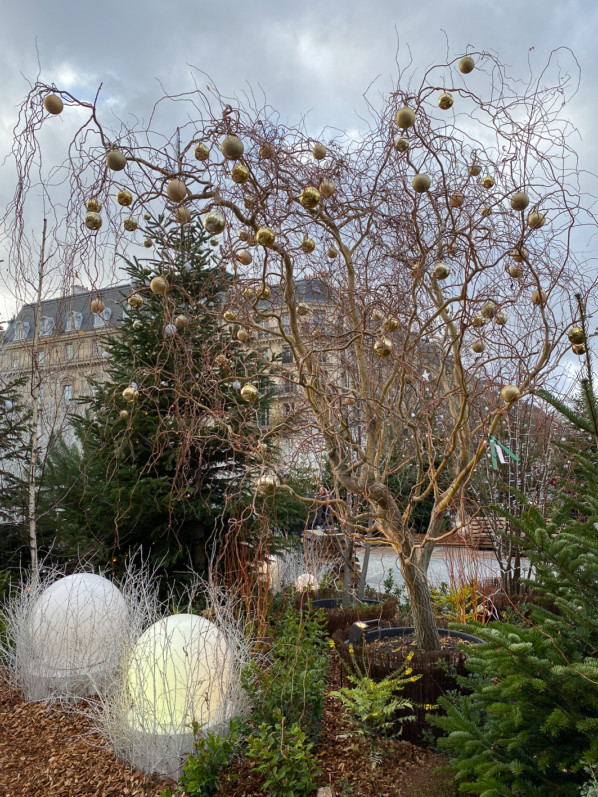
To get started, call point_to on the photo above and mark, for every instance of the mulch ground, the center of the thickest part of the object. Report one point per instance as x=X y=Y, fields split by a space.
x=45 y=751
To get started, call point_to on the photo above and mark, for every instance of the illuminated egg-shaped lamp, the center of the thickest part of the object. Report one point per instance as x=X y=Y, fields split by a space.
x=265 y=237
x=466 y=64
x=76 y=629
x=201 y=152
x=180 y=672
x=319 y=152
x=159 y=286
x=401 y=144
x=308 y=245
x=445 y=101
x=232 y=148
x=421 y=183
x=53 y=104
x=405 y=117
x=115 y=160
x=327 y=188
x=509 y=393
x=306 y=581
x=93 y=205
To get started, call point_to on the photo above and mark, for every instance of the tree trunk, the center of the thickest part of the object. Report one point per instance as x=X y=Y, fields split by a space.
x=422 y=608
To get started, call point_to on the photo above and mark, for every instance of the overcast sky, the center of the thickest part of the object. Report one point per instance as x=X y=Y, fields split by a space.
x=316 y=57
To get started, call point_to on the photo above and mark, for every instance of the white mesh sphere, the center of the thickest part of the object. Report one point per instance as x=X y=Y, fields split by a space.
x=179 y=672
x=306 y=581
x=76 y=624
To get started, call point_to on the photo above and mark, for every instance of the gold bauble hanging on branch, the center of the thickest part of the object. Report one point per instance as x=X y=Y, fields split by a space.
x=232 y=148
x=159 y=286
x=176 y=190
x=515 y=271
x=327 y=189
x=486 y=211
x=244 y=257
x=539 y=298
x=214 y=223
x=115 y=160
x=383 y=347
x=201 y=152
x=332 y=253
x=53 y=104
x=123 y=415
x=239 y=173
x=401 y=144
x=489 y=309
x=130 y=394
x=519 y=201
x=93 y=205
x=319 y=152
x=265 y=237
x=440 y=271
x=466 y=64
x=124 y=198
x=390 y=323
x=445 y=101
x=181 y=322
x=135 y=300
x=478 y=346
x=579 y=348
x=475 y=169
x=421 y=183
x=97 y=306
x=377 y=315
x=249 y=393
x=148 y=243
x=405 y=117
x=242 y=335
x=267 y=150
x=478 y=320
x=221 y=361
x=93 y=221
x=457 y=199
x=519 y=254
x=576 y=335
x=182 y=214
x=310 y=197
x=510 y=393
x=229 y=315
x=535 y=220
x=488 y=181
x=501 y=318
x=307 y=245
x=130 y=224
x=248 y=293
x=263 y=292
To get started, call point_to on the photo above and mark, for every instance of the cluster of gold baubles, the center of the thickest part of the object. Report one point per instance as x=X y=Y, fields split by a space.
x=577 y=337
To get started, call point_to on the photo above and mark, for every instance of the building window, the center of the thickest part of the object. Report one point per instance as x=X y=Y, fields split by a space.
x=266 y=354
x=287 y=355
x=67 y=394
x=73 y=322
x=47 y=326
x=41 y=356
x=101 y=319
x=21 y=330
x=15 y=362
x=68 y=351
x=264 y=417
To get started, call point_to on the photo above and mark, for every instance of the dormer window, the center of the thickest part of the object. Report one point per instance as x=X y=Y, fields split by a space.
x=101 y=319
x=73 y=322
x=47 y=326
x=22 y=330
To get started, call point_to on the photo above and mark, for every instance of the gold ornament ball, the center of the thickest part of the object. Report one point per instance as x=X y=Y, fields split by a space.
x=181 y=322
x=130 y=224
x=390 y=323
x=539 y=297
x=135 y=300
x=115 y=160
x=302 y=309
x=441 y=271
x=308 y=245
x=242 y=335
x=509 y=393
x=266 y=484
x=130 y=394
x=267 y=150
x=421 y=183
x=249 y=392
x=457 y=199
x=221 y=361
x=93 y=205
x=239 y=173
x=310 y=197
x=201 y=152
x=248 y=293
x=93 y=221
x=319 y=152
x=97 y=306
x=520 y=254
x=478 y=320
x=486 y=211
x=579 y=348
x=489 y=309
x=214 y=223
x=232 y=148
x=159 y=286
x=265 y=237
x=332 y=253
x=327 y=188
x=53 y=104
x=147 y=217
x=213 y=241
x=466 y=64
x=124 y=198
x=576 y=335
x=229 y=315
x=475 y=170
x=478 y=347
x=148 y=243
x=263 y=292
x=488 y=181
x=445 y=101
x=176 y=190
x=182 y=214
x=501 y=318
x=405 y=117
x=519 y=201
x=377 y=315
x=515 y=271
x=536 y=220
x=401 y=144
x=123 y=415
x=383 y=348
x=244 y=257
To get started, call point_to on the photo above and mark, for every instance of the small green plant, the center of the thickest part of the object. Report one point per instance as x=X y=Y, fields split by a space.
x=590 y=787
x=373 y=706
x=283 y=754
x=391 y=587
x=201 y=771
